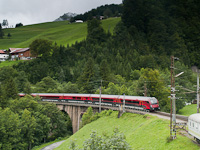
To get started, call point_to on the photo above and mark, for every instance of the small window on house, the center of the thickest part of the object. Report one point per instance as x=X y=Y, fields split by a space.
x=21 y=54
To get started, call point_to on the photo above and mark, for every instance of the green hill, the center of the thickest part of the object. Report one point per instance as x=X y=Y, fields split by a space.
x=142 y=132
x=188 y=110
x=62 y=32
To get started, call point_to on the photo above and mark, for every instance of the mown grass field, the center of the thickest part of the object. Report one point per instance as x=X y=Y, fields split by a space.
x=143 y=132
x=63 y=33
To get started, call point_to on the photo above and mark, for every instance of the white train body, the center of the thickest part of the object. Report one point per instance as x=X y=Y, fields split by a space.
x=194 y=126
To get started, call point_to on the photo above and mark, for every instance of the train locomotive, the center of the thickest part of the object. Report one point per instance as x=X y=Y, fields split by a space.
x=132 y=102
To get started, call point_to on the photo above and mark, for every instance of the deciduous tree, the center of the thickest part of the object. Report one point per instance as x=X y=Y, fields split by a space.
x=41 y=47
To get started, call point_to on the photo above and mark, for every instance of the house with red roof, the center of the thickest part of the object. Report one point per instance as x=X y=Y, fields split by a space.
x=20 y=53
x=3 y=55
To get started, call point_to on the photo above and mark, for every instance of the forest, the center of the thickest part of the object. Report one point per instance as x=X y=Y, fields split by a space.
x=133 y=60
x=106 y=11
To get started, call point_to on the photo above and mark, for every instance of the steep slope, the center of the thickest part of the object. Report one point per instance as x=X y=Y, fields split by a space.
x=142 y=132
x=61 y=32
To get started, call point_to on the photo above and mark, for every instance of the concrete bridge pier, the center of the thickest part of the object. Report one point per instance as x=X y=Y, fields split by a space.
x=75 y=113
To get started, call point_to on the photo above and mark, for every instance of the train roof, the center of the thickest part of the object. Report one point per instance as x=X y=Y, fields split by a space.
x=194 y=117
x=127 y=97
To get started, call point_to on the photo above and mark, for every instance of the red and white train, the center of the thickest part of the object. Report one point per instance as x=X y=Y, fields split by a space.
x=132 y=102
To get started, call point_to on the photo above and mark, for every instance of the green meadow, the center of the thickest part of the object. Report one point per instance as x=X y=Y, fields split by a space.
x=63 y=33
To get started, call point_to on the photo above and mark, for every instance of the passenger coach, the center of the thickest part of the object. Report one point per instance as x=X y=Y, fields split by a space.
x=194 y=126
x=132 y=102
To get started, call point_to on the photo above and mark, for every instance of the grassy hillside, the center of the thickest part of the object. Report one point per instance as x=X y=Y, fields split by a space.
x=9 y=63
x=188 y=110
x=61 y=32
x=142 y=132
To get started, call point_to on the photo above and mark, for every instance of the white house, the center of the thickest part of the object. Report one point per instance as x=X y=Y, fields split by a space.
x=3 y=55
x=79 y=21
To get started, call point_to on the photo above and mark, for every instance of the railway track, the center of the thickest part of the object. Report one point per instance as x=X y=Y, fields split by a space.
x=180 y=117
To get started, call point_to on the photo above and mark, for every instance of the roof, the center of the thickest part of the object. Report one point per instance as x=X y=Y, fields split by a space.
x=2 y=52
x=195 y=117
x=17 y=50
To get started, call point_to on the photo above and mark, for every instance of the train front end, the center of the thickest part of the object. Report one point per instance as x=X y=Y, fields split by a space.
x=154 y=104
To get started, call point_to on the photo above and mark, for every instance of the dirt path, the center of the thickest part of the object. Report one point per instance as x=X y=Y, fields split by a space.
x=52 y=146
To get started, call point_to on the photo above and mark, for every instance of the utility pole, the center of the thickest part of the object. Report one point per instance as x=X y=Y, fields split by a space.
x=173 y=103
x=100 y=97
x=124 y=103
x=197 y=91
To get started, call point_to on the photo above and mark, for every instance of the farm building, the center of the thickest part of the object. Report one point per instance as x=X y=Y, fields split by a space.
x=3 y=55
x=20 y=53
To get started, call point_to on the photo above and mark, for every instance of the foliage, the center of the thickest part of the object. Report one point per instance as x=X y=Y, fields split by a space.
x=8 y=86
x=9 y=35
x=5 y=23
x=95 y=31
x=9 y=130
x=1 y=32
x=18 y=25
x=116 y=141
x=47 y=84
x=41 y=47
x=73 y=146
x=106 y=11
x=89 y=75
x=163 y=26
x=87 y=116
x=26 y=123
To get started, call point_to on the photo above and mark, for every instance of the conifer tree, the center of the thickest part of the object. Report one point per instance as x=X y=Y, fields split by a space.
x=1 y=32
x=96 y=32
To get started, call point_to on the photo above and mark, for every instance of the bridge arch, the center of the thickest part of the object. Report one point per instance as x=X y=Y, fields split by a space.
x=75 y=113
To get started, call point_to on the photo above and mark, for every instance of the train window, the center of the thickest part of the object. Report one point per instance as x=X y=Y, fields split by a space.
x=95 y=99
x=108 y=100
x=134 y=102
x=153 y=101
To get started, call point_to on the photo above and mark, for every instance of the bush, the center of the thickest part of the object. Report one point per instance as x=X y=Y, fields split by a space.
x=97 y=142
